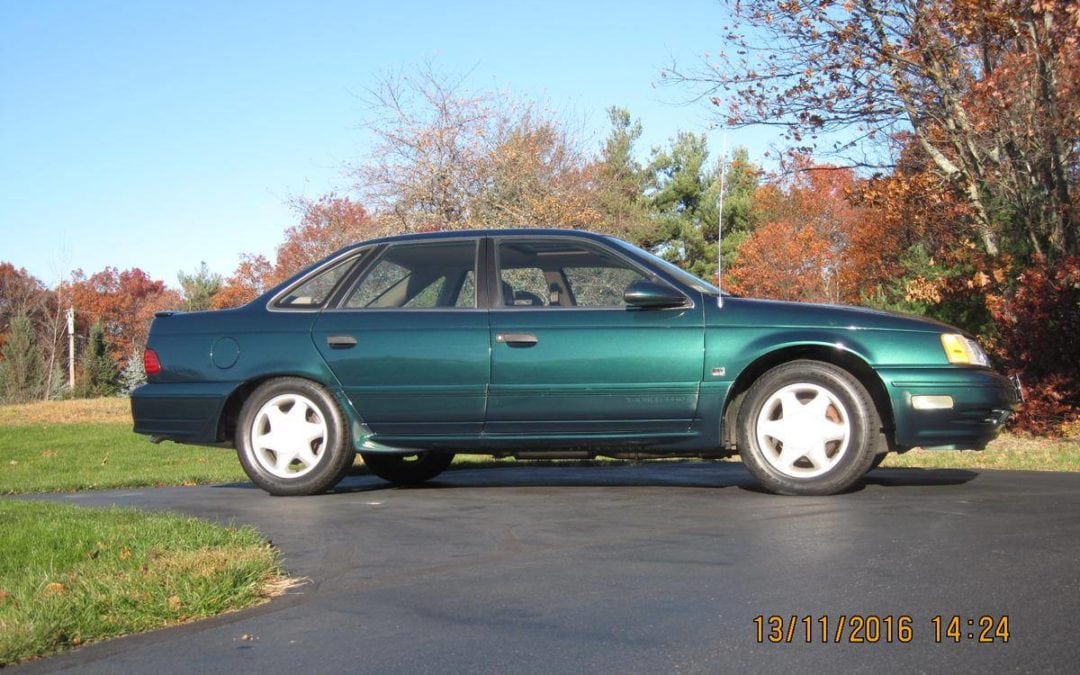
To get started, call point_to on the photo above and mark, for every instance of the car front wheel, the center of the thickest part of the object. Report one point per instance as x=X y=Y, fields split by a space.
x=292 y=439
x=407 y=469
x=808 y=428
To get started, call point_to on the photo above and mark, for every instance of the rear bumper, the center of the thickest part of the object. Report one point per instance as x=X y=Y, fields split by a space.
x=982 y=401
x=186 y=413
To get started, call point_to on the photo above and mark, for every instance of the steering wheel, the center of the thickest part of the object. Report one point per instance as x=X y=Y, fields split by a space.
x=527 y=298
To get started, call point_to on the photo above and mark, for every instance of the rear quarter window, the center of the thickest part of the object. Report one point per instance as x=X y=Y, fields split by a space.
x=316 y=290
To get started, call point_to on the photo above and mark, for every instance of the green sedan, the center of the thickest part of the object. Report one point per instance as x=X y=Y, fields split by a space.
x=550 y=344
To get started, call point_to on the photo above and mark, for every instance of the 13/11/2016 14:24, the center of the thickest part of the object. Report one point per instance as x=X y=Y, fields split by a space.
x=873 y=628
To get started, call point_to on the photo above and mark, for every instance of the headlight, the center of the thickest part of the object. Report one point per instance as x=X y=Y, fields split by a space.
x=963 y=350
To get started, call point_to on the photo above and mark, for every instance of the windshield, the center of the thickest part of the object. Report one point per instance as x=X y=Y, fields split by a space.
x=674 y=270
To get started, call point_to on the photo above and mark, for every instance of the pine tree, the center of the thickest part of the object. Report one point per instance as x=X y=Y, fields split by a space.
x=23 y=373
x=100 y=374
x=199 y=288
x=134 y=374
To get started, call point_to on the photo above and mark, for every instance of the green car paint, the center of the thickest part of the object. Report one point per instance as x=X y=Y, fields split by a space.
x=461 y=378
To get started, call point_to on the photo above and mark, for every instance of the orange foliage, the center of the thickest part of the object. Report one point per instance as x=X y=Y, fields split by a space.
x=252 y=277
x=912 y=206
x=1037 y=326
x=801 y=250
x=784 y=261
x=20 y=293
x=327 y=224
x=124 y=301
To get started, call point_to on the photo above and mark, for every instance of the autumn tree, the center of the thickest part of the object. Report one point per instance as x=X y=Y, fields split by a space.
x=124 y=301
x=447 y=157
x=20 y=293
x=252 y=277
x=1038 y=320
x=326 y=225
x=988 y=89
x=907 y=255
x=801 y=251
x=534 y=177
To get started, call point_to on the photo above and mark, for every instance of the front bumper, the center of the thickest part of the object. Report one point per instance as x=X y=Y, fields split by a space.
x=982 y=401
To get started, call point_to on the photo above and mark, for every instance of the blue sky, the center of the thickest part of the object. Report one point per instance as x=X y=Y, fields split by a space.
x=161 y=134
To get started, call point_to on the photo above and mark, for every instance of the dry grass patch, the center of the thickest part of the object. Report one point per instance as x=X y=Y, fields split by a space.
x=73 y=411
x=1007 y=452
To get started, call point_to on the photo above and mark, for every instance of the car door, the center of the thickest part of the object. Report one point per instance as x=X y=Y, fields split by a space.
x=570 y=358
x=408 y=342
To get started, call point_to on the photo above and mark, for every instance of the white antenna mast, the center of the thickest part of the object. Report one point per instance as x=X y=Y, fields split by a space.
x=720 y=224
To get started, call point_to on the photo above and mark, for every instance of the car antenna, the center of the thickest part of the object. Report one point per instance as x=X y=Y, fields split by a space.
x=720 y=225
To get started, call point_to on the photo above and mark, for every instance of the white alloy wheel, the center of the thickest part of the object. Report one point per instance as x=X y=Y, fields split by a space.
x=288 y=436
x=803 y=430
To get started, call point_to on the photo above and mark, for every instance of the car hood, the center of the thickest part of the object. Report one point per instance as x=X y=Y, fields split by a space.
x=775 y=313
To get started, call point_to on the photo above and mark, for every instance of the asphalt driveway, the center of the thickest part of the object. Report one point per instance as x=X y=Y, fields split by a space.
x=633 y=569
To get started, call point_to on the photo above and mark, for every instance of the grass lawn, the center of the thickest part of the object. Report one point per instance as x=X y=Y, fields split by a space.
x=44 y=457
x=71 y=575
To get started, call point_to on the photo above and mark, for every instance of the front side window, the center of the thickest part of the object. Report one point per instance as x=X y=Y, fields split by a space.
x=438 y=275
x=560 y=273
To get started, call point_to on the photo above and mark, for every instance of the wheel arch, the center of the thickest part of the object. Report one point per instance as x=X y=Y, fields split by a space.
x=847 y=360
x=230 y=410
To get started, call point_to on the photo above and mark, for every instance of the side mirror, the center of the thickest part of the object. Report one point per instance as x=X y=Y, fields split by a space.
x=651 y=295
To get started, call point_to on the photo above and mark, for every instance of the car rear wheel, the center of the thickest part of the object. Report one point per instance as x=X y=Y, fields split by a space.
x=292 y=439
x=407 y=469
x=807 y=428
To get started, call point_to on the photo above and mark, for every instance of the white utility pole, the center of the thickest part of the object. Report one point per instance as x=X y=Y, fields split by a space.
x=71 y=346
x=720 y=224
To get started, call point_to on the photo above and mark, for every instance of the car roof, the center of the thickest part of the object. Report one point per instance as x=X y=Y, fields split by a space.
x=504 y=232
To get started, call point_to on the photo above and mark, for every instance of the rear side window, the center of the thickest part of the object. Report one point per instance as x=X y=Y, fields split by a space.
x=438 y=275
x=314 y=292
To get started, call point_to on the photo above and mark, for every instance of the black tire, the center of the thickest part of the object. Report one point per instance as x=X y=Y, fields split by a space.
x=407 y=469
x=878 y=459
x=330 y=456
x=826 y=401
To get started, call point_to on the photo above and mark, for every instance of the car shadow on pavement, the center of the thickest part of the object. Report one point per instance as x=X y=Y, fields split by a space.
x=706 y=475
x=660 y=474
x=897 y=476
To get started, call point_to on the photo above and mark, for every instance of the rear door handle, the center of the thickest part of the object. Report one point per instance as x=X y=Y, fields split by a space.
x=517 y=339
x=341 y=341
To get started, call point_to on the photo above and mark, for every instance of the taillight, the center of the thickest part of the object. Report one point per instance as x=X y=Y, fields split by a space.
x=151 y=362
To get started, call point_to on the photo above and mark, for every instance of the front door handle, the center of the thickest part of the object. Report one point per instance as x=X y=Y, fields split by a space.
x=517 y=339
x=341 y=341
